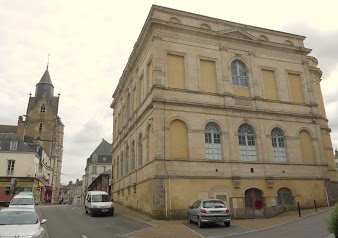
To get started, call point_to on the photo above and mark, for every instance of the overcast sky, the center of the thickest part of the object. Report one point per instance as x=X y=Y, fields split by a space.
x=89 y=44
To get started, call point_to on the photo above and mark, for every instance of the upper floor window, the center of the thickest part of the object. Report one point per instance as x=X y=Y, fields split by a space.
x=40 y=128
x=10 y=167
x=278 y=145
x=239 y=74
x=14 y=145
x=94 y=158
x=43 y=108
x=247 y=143
x=140 y=150
x=94 y=170
x=213 y=146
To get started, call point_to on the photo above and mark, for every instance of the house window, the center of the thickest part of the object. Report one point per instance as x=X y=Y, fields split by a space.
x=10 y=167
x=247 y=143
x=40 y=128
x=103 y=169
x=285 y=197
x=213 y=148
x=94 y=158
x=132 y=152
x=239 y=74
x=94 y=170
x=140 y=150
x=13 y=145
x=43 y=108
x=127 y=160
x=278 y=145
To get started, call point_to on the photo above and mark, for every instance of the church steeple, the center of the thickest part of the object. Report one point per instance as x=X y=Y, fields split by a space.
x=45 y=85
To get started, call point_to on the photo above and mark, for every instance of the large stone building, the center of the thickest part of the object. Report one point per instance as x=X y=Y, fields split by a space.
x=44 y=126
x=211 y=108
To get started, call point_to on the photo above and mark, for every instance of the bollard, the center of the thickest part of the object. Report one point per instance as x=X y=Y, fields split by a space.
x=299 y=209
x=315 y=205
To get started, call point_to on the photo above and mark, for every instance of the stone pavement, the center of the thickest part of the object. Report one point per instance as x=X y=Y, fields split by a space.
x=177 y=229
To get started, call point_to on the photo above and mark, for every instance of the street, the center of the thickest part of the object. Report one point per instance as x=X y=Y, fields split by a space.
x=68 y=221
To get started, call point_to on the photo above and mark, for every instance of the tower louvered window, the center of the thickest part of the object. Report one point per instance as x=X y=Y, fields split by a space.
x=43 y=108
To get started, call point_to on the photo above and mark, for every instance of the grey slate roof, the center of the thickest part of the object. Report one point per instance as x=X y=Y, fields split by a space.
x=5 y=141
x=8 y=129
x=46 y=78
x=102 y=151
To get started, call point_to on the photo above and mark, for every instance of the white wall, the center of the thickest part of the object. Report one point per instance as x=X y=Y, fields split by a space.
x=26 y=163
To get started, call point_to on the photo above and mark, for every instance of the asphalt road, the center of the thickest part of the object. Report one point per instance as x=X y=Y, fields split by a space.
x=71 y=222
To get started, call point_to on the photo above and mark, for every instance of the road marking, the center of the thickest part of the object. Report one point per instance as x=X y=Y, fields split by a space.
x=84 y=236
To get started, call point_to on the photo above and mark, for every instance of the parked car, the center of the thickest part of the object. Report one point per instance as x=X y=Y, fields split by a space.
x=25 y=200
x=205 y=211
x=21 y=222
x=99 y=202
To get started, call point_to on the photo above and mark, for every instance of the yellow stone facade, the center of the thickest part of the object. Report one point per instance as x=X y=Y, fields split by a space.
x=211 y=108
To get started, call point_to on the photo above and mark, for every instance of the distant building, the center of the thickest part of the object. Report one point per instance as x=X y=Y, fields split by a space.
x=336 y=157
x=99 y=162
x=207 y=108
x=72 y=193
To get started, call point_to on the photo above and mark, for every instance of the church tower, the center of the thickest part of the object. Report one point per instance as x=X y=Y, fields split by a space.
x=44 y=125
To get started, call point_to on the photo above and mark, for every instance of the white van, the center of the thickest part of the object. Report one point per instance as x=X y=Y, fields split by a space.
x=98 y=202
x=22 y=200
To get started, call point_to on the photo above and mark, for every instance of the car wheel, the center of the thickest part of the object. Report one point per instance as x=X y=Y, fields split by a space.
x=86 y=210
x=189 y=218
x=227 y=223
x=199 y=223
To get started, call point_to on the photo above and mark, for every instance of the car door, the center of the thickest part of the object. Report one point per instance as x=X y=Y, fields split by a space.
x=195 y=210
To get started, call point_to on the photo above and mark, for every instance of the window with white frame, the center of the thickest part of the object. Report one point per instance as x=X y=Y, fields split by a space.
x=10 y=167
x=239 y=74
x=13 y=145
x=278 y=145
x=247 y=143
x=94 y=170
x=213 y=148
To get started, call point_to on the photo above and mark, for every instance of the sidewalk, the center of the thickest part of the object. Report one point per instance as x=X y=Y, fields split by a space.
x=176 y=228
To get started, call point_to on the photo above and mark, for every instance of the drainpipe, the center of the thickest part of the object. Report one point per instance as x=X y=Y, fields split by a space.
x=327 y=198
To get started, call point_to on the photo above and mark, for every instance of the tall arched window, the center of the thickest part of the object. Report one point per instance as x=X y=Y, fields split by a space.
x=178 y=140
x=239 y=73
x=128 y=107
x=127 y=160
x=247 y=143
x=140 y=150
x=285 y=197
x=150 y=145
x=118 y=168
x=213 y=147
x=278 y=145
x=132 y=155
x=43 y=108
x=40 y=128
x=251 y=195
x=122 y=165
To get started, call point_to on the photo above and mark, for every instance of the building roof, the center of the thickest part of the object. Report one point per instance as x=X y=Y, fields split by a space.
x=5 y=143
x=102 y=153
x=46 y=78
x=8 y=129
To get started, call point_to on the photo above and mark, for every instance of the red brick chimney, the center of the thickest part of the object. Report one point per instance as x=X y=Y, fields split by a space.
x=21 y=128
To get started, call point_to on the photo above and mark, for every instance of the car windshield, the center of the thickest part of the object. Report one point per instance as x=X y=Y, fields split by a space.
x=22 y=201
x=101 y=198
x=213 y=204
x=18 y=217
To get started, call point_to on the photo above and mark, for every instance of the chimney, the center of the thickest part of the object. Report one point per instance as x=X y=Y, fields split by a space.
x=21 y=128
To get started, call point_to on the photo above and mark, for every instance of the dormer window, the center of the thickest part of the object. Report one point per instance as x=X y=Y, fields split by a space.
x=43 y=108
x=94 y=158
x=13 y=145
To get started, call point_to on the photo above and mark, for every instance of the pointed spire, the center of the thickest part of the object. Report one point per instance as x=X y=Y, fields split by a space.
x=48 y=60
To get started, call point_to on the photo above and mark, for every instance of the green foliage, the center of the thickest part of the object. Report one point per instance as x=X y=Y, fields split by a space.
x=332 y=222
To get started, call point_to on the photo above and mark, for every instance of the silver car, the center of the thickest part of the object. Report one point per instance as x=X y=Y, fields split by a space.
x=21 y=222
x=209 y=211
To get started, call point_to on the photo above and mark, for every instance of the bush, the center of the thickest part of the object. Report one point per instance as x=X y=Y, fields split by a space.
x=332 y=222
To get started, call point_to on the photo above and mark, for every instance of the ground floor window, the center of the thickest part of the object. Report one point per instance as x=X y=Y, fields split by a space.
x=285 y=197
x=252 y=195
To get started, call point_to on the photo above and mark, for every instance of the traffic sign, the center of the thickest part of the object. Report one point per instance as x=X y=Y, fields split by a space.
x=99 y=187
x=38 y=188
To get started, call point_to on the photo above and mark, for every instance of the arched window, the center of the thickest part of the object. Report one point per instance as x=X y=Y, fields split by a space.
x=278 y=145
x=118 y=168
x=306 y=147
x=40 y=128
x=263 y=38
x=239 y=73
x=205 y=26
x=285 y=197
x=251 y=195
x=213 y=147
x=247 y=143
x=132 y=155
x=140 y=150
x=122 y=165
x=150 y=145
x=43 y=108
x=128 y=107
x=178 y=140
x=127 y=160
x=288 y=42
x=174 y=20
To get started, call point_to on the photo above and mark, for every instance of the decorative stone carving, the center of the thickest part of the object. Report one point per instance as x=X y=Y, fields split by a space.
x=269 y=183
x=243 y=102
